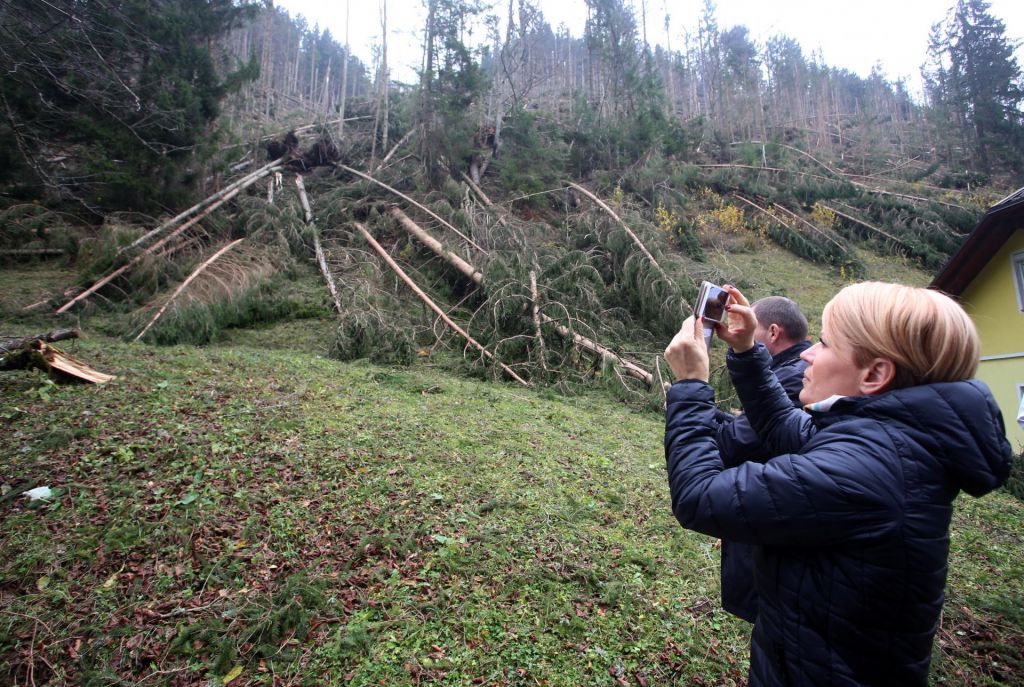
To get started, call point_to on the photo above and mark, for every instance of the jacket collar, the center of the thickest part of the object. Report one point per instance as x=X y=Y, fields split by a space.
x=790 y=354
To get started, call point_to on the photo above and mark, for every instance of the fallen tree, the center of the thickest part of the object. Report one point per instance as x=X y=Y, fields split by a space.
x=184 y=285
x=321 y=258
x=474 y=275
x=433 y=306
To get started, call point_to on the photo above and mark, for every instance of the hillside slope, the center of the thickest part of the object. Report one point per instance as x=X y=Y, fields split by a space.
x=307 y=521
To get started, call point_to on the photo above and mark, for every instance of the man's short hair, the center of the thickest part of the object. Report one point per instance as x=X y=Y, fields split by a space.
x=783 y=312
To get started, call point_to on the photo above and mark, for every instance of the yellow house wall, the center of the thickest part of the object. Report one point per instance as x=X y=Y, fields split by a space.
x=991 y=300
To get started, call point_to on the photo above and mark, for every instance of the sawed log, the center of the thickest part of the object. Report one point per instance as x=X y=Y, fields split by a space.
x=433 y=306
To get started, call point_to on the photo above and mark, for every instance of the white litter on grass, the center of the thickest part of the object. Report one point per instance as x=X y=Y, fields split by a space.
x=38 y=494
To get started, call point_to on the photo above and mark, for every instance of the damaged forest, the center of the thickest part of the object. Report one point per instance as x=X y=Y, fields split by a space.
x=336 y=379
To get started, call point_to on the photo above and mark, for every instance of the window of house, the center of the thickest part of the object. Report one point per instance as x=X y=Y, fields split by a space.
x=1018 y=277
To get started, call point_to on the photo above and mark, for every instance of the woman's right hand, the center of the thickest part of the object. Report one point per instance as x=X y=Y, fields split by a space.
x=739 y=332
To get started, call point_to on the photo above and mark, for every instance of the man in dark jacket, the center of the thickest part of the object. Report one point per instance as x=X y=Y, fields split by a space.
x=782 y=328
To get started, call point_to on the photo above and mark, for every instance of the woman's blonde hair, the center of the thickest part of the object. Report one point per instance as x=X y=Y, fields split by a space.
x=925 y=333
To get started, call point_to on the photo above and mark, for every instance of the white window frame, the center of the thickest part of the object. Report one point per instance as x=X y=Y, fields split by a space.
x=1017 y=266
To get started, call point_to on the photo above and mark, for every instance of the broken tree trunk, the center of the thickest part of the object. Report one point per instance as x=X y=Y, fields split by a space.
x=39 y=354
x=433 y=306
x=433 y=244
x=48 y=337
x=476 y=276
x=425 y=209
x=636 y=239
x=321 y=259
x=184 y=285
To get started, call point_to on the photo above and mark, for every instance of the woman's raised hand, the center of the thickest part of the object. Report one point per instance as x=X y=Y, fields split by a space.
x=739 y=332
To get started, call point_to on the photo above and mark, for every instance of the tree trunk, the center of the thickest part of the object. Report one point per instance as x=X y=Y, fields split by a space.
x=321 y=258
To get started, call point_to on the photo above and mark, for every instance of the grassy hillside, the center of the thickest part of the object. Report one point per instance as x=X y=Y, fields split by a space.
x=305 y=521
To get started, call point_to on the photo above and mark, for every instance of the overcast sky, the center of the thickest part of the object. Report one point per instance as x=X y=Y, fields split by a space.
x=851 y=35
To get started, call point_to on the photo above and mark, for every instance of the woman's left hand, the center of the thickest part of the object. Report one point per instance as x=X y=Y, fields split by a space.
x=687 y=354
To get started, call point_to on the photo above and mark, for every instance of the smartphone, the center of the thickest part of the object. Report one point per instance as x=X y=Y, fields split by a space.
x=711 y=302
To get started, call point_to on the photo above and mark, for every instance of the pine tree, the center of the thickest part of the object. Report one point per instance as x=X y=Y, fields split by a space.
x=974 y=77
x=104 y=102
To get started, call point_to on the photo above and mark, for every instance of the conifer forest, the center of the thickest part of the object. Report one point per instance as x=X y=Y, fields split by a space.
x=532 y=213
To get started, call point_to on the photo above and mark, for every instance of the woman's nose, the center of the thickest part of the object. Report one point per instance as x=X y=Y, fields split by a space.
x=808 y=355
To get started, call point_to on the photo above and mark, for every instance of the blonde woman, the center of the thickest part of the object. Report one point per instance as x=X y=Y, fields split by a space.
x=850 y=519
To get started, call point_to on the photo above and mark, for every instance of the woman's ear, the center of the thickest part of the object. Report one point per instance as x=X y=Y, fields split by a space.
x=877 y=376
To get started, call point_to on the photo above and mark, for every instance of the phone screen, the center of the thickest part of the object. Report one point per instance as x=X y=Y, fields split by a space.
x=714 y=306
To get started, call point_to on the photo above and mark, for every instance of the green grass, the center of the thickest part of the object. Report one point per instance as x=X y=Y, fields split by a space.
x=326 y=522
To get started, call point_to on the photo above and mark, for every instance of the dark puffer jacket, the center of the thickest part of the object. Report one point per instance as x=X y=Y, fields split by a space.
x=737 y=443
x=851 y=516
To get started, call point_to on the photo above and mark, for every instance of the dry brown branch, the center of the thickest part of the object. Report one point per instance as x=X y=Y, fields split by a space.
x=321 y=259
x=433 y=306
x=636 y=239
x=184 y=284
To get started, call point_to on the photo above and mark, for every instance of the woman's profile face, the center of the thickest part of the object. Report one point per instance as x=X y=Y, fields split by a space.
x=831 y=370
